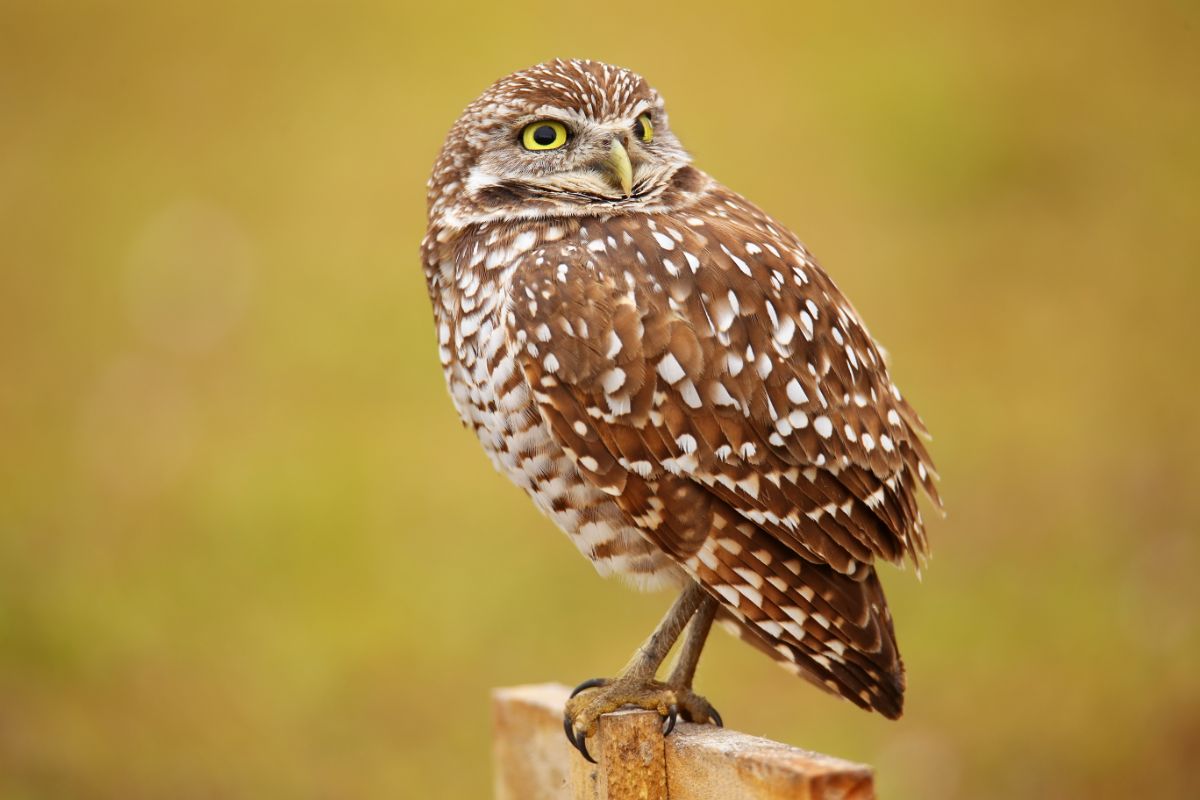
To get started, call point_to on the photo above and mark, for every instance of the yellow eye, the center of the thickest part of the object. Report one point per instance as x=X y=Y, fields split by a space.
x=544 y=135
x=643 y=129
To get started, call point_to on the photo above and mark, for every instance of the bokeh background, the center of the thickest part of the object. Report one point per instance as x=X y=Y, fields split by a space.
x=246 y=550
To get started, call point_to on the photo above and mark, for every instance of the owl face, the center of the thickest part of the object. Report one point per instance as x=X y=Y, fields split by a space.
x=565 y=138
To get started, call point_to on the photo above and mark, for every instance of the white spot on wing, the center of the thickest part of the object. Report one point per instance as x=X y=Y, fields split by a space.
x=612 y=380
x=670 y=369
x=614 y=344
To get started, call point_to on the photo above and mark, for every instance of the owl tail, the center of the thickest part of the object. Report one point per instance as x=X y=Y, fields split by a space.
x=833 y=629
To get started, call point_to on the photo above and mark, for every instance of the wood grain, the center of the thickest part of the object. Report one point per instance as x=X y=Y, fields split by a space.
x=696 y=762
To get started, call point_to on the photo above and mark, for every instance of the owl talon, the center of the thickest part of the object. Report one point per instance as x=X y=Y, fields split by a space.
x=598 y=696
x=578 y=742
x=681 y=702
x=583 y=749
x=591 y=683
x=696 y=709
x=669 y=721
x=578 y=739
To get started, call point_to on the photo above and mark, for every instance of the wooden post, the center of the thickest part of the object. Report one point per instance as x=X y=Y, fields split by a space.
x=535 y=762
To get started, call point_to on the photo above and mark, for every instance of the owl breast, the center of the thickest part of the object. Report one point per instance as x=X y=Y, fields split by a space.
x=471 y=297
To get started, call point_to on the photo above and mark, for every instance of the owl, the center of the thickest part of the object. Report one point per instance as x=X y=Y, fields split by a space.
x=670 y=376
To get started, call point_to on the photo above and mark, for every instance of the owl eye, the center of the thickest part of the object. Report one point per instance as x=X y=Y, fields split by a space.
x=643 y=129
x=544 y=135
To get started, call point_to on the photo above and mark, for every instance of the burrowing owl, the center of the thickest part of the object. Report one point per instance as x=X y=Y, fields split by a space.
x=674 y=381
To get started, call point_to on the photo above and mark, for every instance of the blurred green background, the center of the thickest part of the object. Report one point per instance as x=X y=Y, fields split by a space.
x=246 y=550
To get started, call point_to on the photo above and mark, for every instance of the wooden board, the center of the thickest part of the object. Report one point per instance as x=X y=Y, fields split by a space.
x=534 y=761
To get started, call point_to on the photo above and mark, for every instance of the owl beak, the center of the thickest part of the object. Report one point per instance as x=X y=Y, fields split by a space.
x=618 y=161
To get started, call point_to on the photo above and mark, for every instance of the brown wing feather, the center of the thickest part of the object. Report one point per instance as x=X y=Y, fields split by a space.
x=706 y=373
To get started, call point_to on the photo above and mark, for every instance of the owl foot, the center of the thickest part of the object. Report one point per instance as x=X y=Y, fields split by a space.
x=598 y=696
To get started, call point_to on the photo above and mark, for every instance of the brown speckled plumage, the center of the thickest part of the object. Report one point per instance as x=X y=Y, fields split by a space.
x=672 y=377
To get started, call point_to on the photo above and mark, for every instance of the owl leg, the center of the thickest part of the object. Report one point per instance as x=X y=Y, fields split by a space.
x=694 y=707
x=635 y=684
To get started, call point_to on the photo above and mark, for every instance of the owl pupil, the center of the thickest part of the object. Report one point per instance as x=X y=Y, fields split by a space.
x=639 y=130
x=544 y=135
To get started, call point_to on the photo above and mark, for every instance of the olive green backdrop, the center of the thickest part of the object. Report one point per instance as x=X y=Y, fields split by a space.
x=247 y=551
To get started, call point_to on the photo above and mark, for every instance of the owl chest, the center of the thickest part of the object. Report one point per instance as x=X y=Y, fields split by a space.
x=485 y=379
x=490 y=392
x=481 y=370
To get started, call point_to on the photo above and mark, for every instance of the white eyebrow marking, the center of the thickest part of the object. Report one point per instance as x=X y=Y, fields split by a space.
x=478 y=178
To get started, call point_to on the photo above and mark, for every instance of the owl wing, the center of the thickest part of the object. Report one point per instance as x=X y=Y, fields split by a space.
x=711 y=378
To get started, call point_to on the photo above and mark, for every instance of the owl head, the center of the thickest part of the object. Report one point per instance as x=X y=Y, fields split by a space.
x=564 y=138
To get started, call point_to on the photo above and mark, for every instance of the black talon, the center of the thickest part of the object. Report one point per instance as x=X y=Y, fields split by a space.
x=715 y=717
x=580 y=742
x=568 y=730
x=583 y=748
x=590 y=683
x=669 y=722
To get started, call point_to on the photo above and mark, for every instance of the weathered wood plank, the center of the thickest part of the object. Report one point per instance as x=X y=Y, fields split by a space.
x=534 y=760
x=705 y=762
x=632 y=757
x=532 y=756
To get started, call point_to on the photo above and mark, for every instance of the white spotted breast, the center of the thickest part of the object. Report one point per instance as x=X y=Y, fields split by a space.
x=470 y=279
